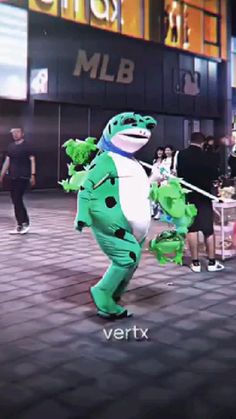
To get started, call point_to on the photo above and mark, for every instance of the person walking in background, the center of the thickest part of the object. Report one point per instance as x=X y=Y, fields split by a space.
x=20 y=162
x=156 y=177
x=195 y=167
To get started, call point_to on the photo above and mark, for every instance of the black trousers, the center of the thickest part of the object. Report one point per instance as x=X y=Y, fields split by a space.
x=18 y=188
x=205 y=215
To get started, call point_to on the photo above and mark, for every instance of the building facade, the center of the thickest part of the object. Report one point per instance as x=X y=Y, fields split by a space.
x=88 y=60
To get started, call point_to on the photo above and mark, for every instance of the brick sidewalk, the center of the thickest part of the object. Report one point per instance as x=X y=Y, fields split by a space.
x=55 y=362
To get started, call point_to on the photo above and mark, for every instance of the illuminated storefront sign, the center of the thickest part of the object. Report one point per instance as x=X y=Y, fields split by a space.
x=97 y=66
x=105 y=14
x=13 y=52
x=198 y=26
x=76 y=9
x=124 y=16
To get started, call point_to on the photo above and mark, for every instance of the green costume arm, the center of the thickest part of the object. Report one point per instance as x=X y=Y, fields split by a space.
x=100 y=169
x=83 y=204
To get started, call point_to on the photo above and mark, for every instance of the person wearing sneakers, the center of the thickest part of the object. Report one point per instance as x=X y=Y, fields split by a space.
x=195 y=167
x=20 y=163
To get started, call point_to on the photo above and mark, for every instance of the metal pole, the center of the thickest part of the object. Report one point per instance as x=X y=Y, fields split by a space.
x=187 y=184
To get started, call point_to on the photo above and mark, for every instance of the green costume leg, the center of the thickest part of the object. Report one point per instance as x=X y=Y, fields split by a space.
x=124 y=284
x=125 y=254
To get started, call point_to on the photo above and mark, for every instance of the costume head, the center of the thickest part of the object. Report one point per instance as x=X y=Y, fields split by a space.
x=126 y=133
x=168 y=247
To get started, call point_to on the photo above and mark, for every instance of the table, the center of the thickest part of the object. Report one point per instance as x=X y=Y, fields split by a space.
x=224 y=227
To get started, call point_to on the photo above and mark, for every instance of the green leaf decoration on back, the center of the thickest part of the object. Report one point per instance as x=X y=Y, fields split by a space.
x=80 y=152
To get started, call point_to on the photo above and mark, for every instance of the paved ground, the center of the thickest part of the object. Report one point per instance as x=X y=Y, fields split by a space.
x=55 y=361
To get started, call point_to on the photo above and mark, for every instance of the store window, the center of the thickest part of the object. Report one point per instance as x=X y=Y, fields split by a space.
x=210 y=29
x=172 y=23
x=233 y=62
x=74 y=10
x=49 y=7
x=211 y=50
x=132 y=18
x=105 y=15
x=192 y=21
x=197 y=3
x=196 y=25
x=147 y=20
x=223 y=29
x=212 y=6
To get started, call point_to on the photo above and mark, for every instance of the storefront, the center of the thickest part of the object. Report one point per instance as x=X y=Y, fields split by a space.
x=81 y=71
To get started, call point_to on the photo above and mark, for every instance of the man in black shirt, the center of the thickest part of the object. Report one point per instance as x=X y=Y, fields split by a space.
x=20 y=163
x=198 y=168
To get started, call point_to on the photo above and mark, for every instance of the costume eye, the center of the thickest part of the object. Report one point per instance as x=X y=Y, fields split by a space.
x=128 y=121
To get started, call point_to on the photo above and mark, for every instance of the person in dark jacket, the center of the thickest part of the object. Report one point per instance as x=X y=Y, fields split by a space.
x=195 y=167
x=212 y=147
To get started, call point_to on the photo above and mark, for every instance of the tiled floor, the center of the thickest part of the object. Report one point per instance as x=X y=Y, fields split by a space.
x=55 y=361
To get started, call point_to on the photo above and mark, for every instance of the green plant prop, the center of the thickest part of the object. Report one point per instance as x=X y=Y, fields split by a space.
x=80 y=154
x=172 y=200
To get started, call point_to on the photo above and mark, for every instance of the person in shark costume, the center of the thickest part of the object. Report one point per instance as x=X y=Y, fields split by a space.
x=114 y=202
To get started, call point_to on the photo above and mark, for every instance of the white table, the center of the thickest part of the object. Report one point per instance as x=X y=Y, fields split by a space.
x=224 y=228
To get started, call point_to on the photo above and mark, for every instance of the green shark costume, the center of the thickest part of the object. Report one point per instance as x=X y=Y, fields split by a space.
x=114 y=201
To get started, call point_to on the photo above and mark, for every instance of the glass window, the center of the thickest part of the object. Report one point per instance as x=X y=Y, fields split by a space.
x=49 y=7
x=233 y=69
x=74 y=10
x=192 y=24
x=147 y=10
x=211 y=50
x=104 y=15
x=224 y=29
x=197 y=3
x=131 y=18
x=233 y=44
x=172 y=23
x=211 y=6
x=210 y=29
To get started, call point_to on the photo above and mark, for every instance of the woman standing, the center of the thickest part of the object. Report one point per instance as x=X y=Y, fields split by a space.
x=156 y=165
x=156 y=177
x=168 y=162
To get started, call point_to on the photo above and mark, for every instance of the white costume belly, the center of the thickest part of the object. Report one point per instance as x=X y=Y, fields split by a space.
x=134 y=190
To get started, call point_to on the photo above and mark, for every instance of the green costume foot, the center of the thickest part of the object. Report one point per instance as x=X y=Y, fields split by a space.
x=113 y=317
x=105 y=303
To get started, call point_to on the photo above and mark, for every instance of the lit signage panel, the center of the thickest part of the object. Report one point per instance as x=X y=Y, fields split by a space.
x=194 y=26
x=13 y=52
